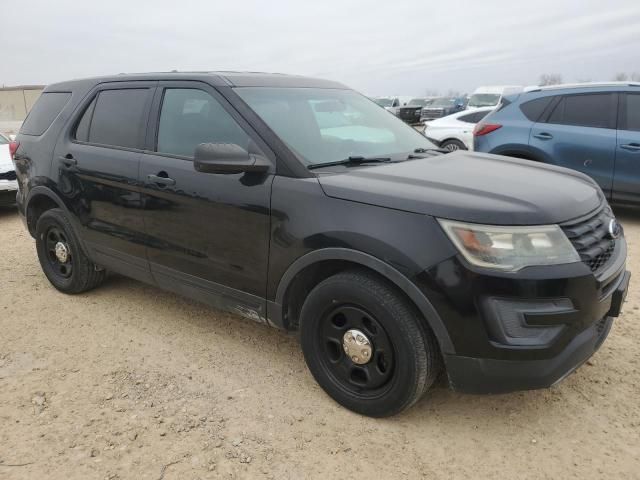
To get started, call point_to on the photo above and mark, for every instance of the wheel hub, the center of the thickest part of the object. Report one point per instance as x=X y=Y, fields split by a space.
x=62 y=252
x=357 y=346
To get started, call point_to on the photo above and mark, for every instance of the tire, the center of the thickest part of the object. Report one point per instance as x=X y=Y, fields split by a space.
x=77 y=273
x=404 y=360
x=453 y=145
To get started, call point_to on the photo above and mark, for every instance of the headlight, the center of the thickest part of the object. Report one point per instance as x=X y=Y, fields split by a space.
x=510 y=248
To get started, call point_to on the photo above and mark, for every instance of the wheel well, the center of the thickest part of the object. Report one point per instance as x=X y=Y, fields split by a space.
x=451 y=139
x=310 y=276
x=37 y=206
x=522 y=156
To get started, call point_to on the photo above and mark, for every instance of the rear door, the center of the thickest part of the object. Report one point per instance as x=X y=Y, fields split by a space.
x=97 y=163
x=626 y=180
x=208 y=233
x=580 y=133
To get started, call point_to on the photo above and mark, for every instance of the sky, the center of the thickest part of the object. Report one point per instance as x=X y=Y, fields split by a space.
x=408 y=47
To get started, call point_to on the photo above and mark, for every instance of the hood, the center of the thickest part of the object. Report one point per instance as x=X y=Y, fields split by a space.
x=471 y=187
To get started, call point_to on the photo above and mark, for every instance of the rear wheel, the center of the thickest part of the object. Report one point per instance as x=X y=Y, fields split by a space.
x=366 y=345
x=61 y=257
x=453 y=145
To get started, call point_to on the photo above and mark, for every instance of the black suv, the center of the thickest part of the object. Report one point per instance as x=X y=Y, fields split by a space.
x=301 y=204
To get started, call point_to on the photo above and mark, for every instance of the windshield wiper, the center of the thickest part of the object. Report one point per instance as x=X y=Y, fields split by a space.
x=411 y=156
x=353 y=160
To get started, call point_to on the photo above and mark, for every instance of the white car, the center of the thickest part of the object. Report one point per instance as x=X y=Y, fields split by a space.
x=8 y=182
x=455 y=132
x=490 y=96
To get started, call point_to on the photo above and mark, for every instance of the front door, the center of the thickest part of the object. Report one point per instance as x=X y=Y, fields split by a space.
x=208 y=234
x=580 y=134
x=97 y=163
x=626 y=180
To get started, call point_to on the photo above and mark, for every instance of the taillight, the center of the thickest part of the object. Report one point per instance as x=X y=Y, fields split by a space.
x=13 y=147
x=484 y=128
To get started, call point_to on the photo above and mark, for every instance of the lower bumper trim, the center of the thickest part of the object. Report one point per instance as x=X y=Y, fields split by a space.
x=482 y=375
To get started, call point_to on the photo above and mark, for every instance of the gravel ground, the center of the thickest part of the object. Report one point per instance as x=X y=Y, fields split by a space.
x=128 y=381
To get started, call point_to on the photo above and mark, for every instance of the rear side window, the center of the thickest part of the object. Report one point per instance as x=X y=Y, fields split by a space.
x=474 y=117
x=632 y=112
x=82 y=130
x=44 y=112
x=533 y=109
x=190 y=117
x=591 y=110
x=117 y=118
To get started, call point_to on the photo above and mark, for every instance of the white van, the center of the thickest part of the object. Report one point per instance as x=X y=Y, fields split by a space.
x=490 y=96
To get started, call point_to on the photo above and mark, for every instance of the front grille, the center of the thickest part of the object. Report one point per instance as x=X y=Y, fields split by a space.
x=590 y=237
x=409 y=114
x=8 y=175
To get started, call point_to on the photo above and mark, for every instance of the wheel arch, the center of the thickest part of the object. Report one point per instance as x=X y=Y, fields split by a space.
x=40 y=200
x=309 y=270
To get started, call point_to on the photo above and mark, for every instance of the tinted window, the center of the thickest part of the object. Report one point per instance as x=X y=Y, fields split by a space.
x=593 y=110
x=474 y=117
x=190 y=117
x=632 y=116
x=118 y=118
x=82 y=130
x=44 y=112
x=3 y=140
x=534 y=109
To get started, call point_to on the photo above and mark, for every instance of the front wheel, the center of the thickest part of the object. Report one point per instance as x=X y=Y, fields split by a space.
x=366 y=345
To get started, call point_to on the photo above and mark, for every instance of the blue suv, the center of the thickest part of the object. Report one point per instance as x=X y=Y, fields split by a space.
x=592 y=128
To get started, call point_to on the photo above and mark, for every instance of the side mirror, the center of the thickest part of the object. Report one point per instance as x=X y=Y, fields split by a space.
x=227 y=158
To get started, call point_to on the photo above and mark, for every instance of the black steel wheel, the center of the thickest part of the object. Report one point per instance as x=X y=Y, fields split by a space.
x=61 y=257
x=58 y=252
x=366 y=345
x=358 y=353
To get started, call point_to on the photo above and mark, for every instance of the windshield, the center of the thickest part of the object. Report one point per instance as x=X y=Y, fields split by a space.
x=3 y=139
x=327 y=125
x=383 y=102
x=484 y=99
x=418 y=102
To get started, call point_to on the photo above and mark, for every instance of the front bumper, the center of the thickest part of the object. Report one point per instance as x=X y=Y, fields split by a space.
x=8 y=192
x=549 y=320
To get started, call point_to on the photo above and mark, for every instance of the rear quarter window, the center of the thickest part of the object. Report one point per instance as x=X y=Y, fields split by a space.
x=533 y=109
x=44 y=112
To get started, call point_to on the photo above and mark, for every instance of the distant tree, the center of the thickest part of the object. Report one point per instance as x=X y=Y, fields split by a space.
x=635 y=77
x=621 y=77
x=550 y=79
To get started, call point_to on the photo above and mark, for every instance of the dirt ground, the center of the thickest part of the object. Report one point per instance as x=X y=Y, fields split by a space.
x=129 y=382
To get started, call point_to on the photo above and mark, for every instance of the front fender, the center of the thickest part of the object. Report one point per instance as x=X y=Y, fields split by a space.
x=387 y=271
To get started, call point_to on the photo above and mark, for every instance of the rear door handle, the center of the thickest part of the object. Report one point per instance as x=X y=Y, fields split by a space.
x=633 y=147
x=543 y=136
x=161 y=179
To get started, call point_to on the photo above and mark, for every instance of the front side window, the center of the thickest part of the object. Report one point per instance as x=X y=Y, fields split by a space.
x=632 y=113
x=117 y=120
x=591 y=110
x=327 y=125
x=190 y=117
